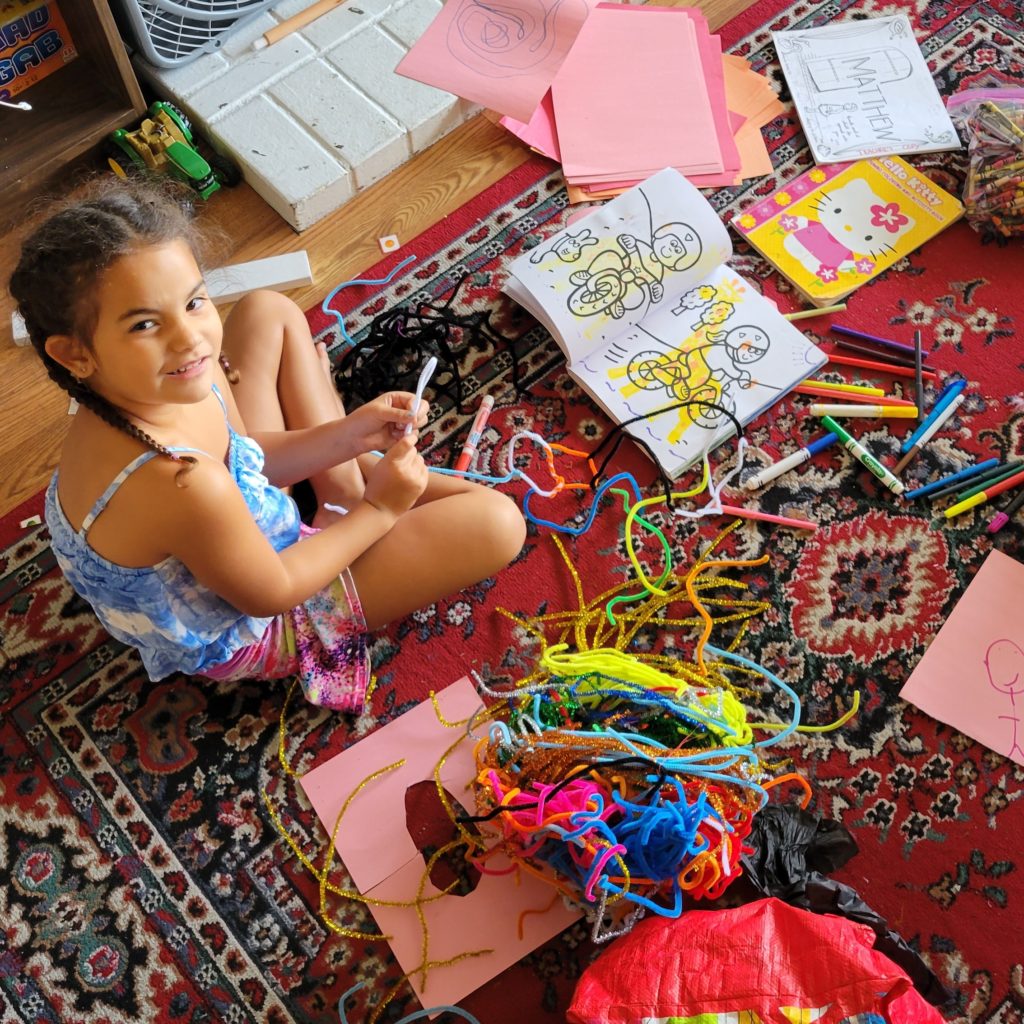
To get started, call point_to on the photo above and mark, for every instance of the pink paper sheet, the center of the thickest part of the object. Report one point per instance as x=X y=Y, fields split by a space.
x=539 y=132
x=972 y=675
x=380 y=855
x=651 y=113
x=502 y=56
x=711 y=64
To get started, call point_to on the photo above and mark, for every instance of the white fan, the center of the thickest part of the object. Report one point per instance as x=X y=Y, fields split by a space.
x=173 y=32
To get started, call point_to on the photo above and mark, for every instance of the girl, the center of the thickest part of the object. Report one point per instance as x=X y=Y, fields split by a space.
x=166 y=511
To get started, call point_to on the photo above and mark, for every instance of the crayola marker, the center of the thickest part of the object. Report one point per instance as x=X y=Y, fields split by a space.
x=863 y=456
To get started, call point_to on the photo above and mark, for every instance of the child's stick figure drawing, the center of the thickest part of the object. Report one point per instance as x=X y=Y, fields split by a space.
x=1004 y=663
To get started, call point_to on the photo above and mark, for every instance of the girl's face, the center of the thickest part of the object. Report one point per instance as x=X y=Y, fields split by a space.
x=158 y=334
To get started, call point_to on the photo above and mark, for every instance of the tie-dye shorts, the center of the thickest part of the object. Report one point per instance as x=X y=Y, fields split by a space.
x=324 y=641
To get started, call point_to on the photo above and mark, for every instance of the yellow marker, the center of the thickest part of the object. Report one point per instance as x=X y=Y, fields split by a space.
x=967 y=503
x=859 y=389
x=895 y=412
x=991 y=490
x=804 y=314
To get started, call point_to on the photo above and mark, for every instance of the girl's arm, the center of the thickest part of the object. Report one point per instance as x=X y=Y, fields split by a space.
x=209 y=527
x=294 y=455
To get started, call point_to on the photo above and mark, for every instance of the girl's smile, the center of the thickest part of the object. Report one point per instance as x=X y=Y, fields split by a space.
x=192 y=369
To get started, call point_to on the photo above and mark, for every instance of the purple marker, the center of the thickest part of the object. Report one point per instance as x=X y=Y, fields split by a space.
x=896 y=346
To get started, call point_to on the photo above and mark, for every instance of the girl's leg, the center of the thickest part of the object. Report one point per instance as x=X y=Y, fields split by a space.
x=285 y=381
x=459 y=533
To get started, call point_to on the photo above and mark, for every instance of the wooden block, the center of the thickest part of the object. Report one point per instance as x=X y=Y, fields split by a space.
x=279 y=273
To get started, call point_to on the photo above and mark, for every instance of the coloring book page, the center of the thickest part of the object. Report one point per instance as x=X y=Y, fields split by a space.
x=972 y=675
x=609 y=270
x=640 y=299
x=722 y=343
x=862 y=88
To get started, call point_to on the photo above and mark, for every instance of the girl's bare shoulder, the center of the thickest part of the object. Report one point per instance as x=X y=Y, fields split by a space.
x=134 y=526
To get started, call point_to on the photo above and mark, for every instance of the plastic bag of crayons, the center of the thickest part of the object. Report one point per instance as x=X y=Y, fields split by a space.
x=991 y=122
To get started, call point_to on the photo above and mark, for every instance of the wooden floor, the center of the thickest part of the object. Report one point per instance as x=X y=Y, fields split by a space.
x=33 y=411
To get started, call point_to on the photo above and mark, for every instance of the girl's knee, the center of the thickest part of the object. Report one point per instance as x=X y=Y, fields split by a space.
x=505 y=527
x=258 y=311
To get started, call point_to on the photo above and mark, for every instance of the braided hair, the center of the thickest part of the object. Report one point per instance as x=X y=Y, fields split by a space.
x=54 y=283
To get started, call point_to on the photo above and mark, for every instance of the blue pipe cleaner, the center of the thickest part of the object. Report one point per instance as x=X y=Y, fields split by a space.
x=576 y=531
x=761 y=670
x=325 y=305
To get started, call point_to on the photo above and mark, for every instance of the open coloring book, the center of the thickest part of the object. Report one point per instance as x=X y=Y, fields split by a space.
x=862 y=88
x=639 y=297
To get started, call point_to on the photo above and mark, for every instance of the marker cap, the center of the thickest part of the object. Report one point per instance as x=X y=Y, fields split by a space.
x=822 y=443
x=997 y=522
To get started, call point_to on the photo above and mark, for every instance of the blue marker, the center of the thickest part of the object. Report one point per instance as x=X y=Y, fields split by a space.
x=948 y=393
x=963 y=474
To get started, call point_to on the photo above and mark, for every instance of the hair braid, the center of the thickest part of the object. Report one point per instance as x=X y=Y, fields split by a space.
x=109 y=413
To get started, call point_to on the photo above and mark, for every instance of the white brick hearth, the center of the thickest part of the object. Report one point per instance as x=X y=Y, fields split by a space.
x=316 y=117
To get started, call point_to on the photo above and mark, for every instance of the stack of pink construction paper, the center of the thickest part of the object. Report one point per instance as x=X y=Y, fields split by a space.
x=614 y=92
x=648 y=84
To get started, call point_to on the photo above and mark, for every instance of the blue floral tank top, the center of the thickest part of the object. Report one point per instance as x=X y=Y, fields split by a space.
x=176 y=623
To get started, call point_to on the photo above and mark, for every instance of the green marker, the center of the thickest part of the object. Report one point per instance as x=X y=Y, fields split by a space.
x=863 y=456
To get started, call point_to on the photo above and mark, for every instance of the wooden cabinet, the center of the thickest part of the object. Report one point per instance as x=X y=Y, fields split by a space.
x=72 y=109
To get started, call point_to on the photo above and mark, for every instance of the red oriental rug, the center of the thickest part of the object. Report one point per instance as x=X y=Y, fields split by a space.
x=141 y=875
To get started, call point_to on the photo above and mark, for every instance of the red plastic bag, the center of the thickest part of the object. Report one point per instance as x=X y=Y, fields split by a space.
x=766 y=958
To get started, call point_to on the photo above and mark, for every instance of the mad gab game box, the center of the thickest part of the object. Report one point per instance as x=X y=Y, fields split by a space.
x=34 y=42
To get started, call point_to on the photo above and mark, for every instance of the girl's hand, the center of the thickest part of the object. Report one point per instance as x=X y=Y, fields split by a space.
x=377 y=425
x=398 y=479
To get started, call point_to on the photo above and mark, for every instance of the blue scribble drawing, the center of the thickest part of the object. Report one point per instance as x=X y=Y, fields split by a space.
x=505 y=40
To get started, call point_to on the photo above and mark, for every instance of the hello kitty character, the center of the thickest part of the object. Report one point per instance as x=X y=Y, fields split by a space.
x=853 y=229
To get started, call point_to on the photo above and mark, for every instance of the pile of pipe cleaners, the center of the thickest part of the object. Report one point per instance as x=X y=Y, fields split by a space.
x=630 y=778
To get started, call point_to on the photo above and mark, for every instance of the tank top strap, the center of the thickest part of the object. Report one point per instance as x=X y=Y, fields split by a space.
x=223 y=404
x=112 y=487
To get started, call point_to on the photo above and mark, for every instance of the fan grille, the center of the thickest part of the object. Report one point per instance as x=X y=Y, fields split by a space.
x=174 y=32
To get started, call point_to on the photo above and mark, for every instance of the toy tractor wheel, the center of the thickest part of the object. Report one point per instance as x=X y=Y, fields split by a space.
x=228 y=172
x=179 y=118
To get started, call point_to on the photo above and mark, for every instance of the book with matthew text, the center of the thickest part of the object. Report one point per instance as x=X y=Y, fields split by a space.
x=839 y=225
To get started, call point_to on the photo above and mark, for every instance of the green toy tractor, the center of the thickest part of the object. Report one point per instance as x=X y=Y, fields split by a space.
x=163 y=144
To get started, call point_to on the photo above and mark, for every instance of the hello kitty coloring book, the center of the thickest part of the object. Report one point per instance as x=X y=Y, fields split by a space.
x=839 y=225
x=656 y=327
